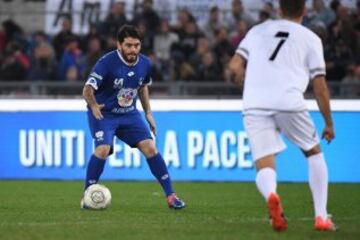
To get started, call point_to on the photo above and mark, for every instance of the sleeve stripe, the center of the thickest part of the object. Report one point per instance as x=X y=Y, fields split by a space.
x=147 y=84
x=243 y=52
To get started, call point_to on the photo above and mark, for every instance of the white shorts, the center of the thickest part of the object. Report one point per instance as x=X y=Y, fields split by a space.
x=264 y=127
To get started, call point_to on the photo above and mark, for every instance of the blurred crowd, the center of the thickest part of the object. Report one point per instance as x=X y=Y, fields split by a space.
x=185 y=51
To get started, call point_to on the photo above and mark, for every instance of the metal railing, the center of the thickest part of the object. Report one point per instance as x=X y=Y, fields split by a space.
x=175 y=89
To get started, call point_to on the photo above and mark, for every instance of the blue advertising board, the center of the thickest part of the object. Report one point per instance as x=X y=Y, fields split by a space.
x=196 y=145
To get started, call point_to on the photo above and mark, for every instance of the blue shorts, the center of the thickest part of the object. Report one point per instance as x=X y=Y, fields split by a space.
x=129 y=128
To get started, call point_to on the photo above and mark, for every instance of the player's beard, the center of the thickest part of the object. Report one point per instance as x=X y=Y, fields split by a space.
x=129 y=58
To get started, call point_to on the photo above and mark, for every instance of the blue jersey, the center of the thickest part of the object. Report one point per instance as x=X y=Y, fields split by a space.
x=116 y=83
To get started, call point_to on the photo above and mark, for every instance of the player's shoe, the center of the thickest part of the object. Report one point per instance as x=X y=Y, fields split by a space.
x=174 y=202
x=277 y=218
x=324 y=224
x=82 y=204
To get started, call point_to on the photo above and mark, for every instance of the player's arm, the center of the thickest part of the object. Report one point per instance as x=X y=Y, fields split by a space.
x=145 y=103
x=88 y=94
x=322 y=97
x=237 y=68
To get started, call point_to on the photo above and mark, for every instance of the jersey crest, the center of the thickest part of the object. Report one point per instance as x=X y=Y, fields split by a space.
x=126 y=96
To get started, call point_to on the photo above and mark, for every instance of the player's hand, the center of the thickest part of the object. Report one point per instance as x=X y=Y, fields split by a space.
x=96 y=110
x=328 y=133
x=151 y=121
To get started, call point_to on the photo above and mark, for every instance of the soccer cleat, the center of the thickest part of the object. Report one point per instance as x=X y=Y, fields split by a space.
x=277 y=218
x=322 y=224
x=174 y=202
x=82 y=204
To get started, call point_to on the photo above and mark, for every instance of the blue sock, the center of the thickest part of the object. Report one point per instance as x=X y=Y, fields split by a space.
x=94 y=170
x=159 y=170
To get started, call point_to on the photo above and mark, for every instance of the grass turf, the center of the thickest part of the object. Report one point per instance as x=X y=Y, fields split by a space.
x=50 y=210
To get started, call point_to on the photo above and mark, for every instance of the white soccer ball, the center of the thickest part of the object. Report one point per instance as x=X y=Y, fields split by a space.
x=97 y=196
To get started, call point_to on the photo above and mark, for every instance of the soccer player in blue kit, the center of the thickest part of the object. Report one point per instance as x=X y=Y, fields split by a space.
x=110 y=92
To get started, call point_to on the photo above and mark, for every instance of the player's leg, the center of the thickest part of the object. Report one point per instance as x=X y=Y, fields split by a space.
x=156 y=164
x=96 y=164
x=135 y=133
x=300 y=129
x=266 y=175
x=318 y=181
x=265 y=142
x=103 y=134
x=159 y=170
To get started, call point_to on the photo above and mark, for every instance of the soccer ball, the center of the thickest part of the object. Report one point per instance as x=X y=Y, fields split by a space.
x=96 y=196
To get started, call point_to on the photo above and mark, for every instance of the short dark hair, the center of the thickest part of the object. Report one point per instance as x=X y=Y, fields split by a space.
x=292 y=8
x=128 y=31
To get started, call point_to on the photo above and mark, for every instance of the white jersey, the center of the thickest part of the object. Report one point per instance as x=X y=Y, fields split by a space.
x=281 y=58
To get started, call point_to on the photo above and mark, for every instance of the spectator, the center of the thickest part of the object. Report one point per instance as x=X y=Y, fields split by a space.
x=241 y=30
x=111 y=43
x=163 y=44
x=355 y=16
x=14 y=33
x=164 y=40
x=263 y=16
x=147 y=42
x=183 y=18
x=351 y=83
x=238 y=13
x=269 y=8
x=72 y=74
x=319 y=13
x=15 y=63
x=223 y=48
x=60 y=38
x=156 y=72
x=208 y=70
x=3 y=42
x=149 y=17
x=182 y=70
x=93 y=53
x=213 y=24
x=337 y=61
x=342 y=30
x=189 y=39
x=93 y=33
x=72 y=57
x=203 y=46
x=42 y=59
x=114 y=20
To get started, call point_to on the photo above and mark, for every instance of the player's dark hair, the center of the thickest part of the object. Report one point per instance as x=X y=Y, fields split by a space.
x=128 y=31
x=292 y=8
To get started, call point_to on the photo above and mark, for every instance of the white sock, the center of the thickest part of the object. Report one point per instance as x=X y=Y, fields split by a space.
x=318 y=181
x=266 y=181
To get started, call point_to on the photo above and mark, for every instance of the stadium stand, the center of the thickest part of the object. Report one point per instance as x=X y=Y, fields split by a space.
x=189 y=56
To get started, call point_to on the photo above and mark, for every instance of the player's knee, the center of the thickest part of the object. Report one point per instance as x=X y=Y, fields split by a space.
x=265 y=162
x=148 y=148
x=152 y=151
x=313 y=151
x=102 y=151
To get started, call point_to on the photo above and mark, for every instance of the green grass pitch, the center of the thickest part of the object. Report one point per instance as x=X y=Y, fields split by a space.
x=50 y=210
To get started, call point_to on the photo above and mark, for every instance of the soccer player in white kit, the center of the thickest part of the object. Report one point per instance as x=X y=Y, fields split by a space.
x=276 y=60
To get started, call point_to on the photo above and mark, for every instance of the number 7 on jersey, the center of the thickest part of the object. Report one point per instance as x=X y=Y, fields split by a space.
x=283 y=36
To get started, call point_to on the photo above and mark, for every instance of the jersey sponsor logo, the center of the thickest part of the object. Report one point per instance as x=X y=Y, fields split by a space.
x=130 y=74
x=118 y=83
x=122 y=110
x=126 y=96
x=99 y=136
